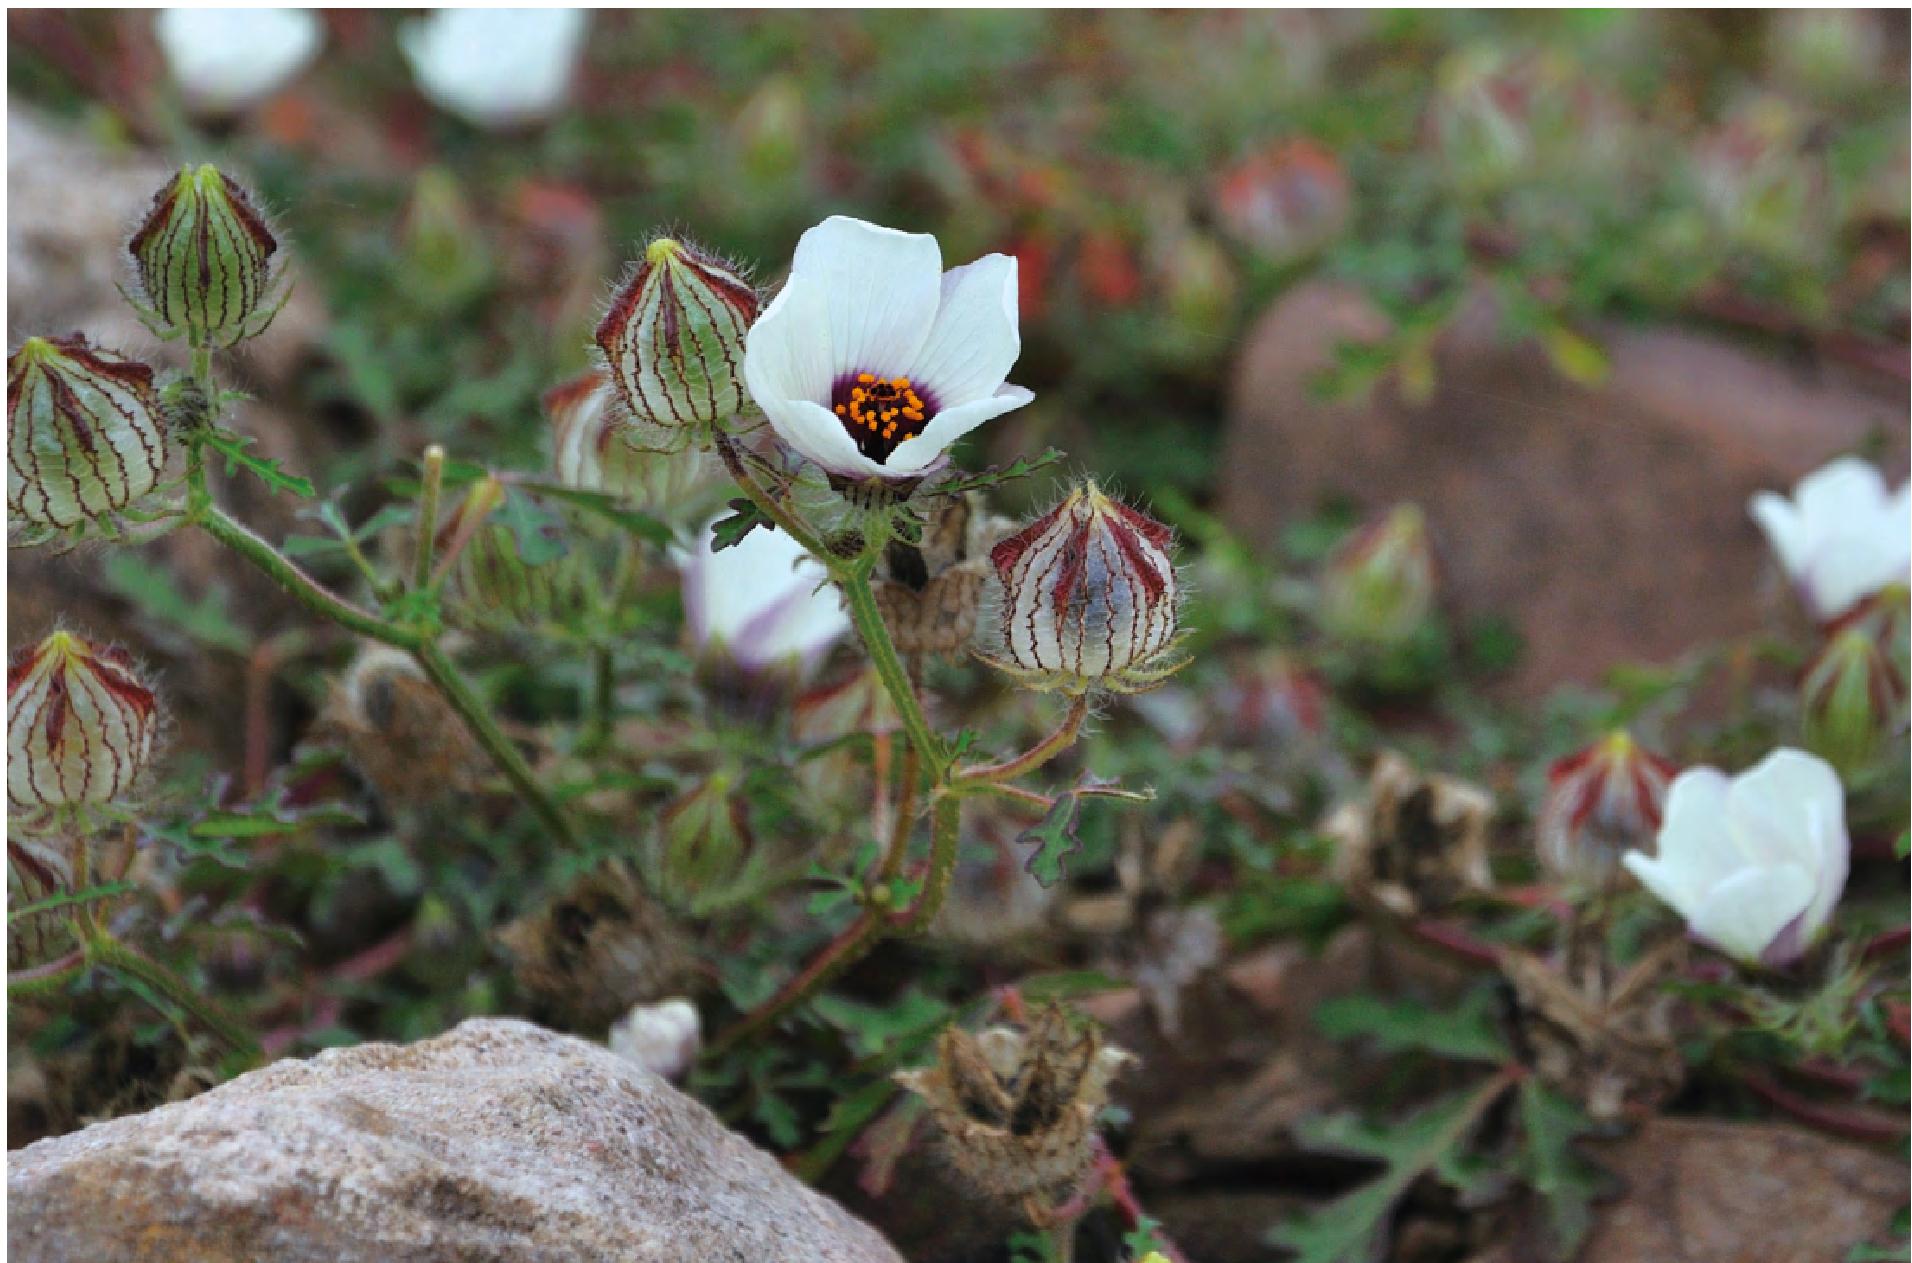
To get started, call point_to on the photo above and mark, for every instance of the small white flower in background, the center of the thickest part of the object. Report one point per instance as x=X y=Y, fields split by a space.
x=227 y=59
x=873 y=360
x=764 y=602
x=664 y=1038
x=1841 y=537
x=496 y=67
x=1754 y=862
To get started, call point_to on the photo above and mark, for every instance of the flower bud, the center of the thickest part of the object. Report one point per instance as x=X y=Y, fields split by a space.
x=1378 y=588
x=84 y=432
x=204 y=261
x=704 y=844
x=1600 y=803
x=674 y=336
x=1088 y=597
x=1852 y=698
x=594 y=447
x=664 y=1038
x=80 y=725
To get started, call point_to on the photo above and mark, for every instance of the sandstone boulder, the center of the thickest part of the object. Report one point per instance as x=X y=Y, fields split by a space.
x=499 y=1140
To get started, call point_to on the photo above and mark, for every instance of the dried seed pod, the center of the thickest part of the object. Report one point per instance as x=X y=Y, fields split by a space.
x=80 y=725
x=673 y=337
x=399 y=733
x=203 y=257
x=1415 y=842
x=85 y=432
x=1017 y=1109
x=931 y=592
x=1089 y=597
x=1601 y=802
x=595 y=950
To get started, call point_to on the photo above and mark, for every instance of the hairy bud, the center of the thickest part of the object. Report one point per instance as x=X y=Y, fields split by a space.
x=204 y=260
x=1852 y=698
x=84 y=432
x=1600 y=803
x=1088 y=597
x=1378 y=588
x=80 y=725
x=673 y=337
x=1017 y=1108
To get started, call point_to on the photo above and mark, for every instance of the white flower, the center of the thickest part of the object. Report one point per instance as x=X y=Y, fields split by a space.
x=1841 y=537
x=1755 y=862
x=765 y=601
x=496 y=67
x=873 y=360
x=227 y=59
x=664 y=1038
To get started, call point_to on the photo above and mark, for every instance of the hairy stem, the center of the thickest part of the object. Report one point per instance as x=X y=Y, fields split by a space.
x=946 y=819
x=786 y=521
x=115 y=957
x=1048 y=748
x=479 y=723
x=303 y=588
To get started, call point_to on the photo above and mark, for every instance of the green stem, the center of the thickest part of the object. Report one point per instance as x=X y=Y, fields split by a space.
x=601 y=709
x=433 y=483
x=1028 y=761
x=479 y=723
x=115 y=957
x=308 y=591
x=786 y=521
x=946 y=820
x=45 y=978
x=868 y=620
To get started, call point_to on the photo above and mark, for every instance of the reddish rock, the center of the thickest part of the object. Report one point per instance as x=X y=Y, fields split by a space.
x=1701 y=1191
x=1609 y=522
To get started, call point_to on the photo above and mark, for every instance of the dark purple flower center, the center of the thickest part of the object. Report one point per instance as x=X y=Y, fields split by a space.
x=880 y=412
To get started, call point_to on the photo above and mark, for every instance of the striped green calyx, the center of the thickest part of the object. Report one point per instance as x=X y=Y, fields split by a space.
x=85 y=436
x=203 y=257
x=673 y=337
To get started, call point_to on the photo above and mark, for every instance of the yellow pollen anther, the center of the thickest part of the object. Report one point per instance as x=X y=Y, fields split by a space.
x=866 y=378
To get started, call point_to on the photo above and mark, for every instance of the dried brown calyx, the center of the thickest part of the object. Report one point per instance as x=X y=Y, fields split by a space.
x=399 y=734
x=595 y=951
x=1611 y=1044
x=931 y=592
x=1416 y=842
x=1016 y=1108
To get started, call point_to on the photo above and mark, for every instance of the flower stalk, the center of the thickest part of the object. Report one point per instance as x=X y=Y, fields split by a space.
x=115 y=957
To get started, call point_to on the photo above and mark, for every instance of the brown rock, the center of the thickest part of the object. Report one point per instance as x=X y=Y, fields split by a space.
x=496 y=1141
x=1701 y=1191
x=1609 y=522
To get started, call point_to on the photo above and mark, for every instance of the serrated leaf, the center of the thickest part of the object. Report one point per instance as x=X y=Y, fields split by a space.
x=745 y=518
x=599 y=504
x=1467 y=1033
x=1054 y=839
x=538 y=534
x=996 y=475
x=233 y=447
x=1567 y=1181
x=155 y=591
x=68 y=899
x=1354 y=1228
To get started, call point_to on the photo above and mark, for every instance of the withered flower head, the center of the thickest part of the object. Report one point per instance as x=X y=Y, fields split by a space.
x=398 y=732
x=1608 y=1045
x=930 y=592
x=1416 y=841
x=1017 y=1108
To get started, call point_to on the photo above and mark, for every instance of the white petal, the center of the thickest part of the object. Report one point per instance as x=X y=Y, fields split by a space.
x=1743 y=915
x=1790 y=808
x=815 y=433
x=1847 y=488
x=882 y=288
x=495 y=67
x=951 y=424
x=975 y=339
x=1785 y=530
x=1668 y=884
x=1696 y=850
x=787 y=352
x=226 y=59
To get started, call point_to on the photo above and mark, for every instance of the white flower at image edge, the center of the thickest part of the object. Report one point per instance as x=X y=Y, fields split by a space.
x=496 y=67
x=765 y=601
x=228 y=59
x=872 y=360
x=1754 y=862
x=1841 y=537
